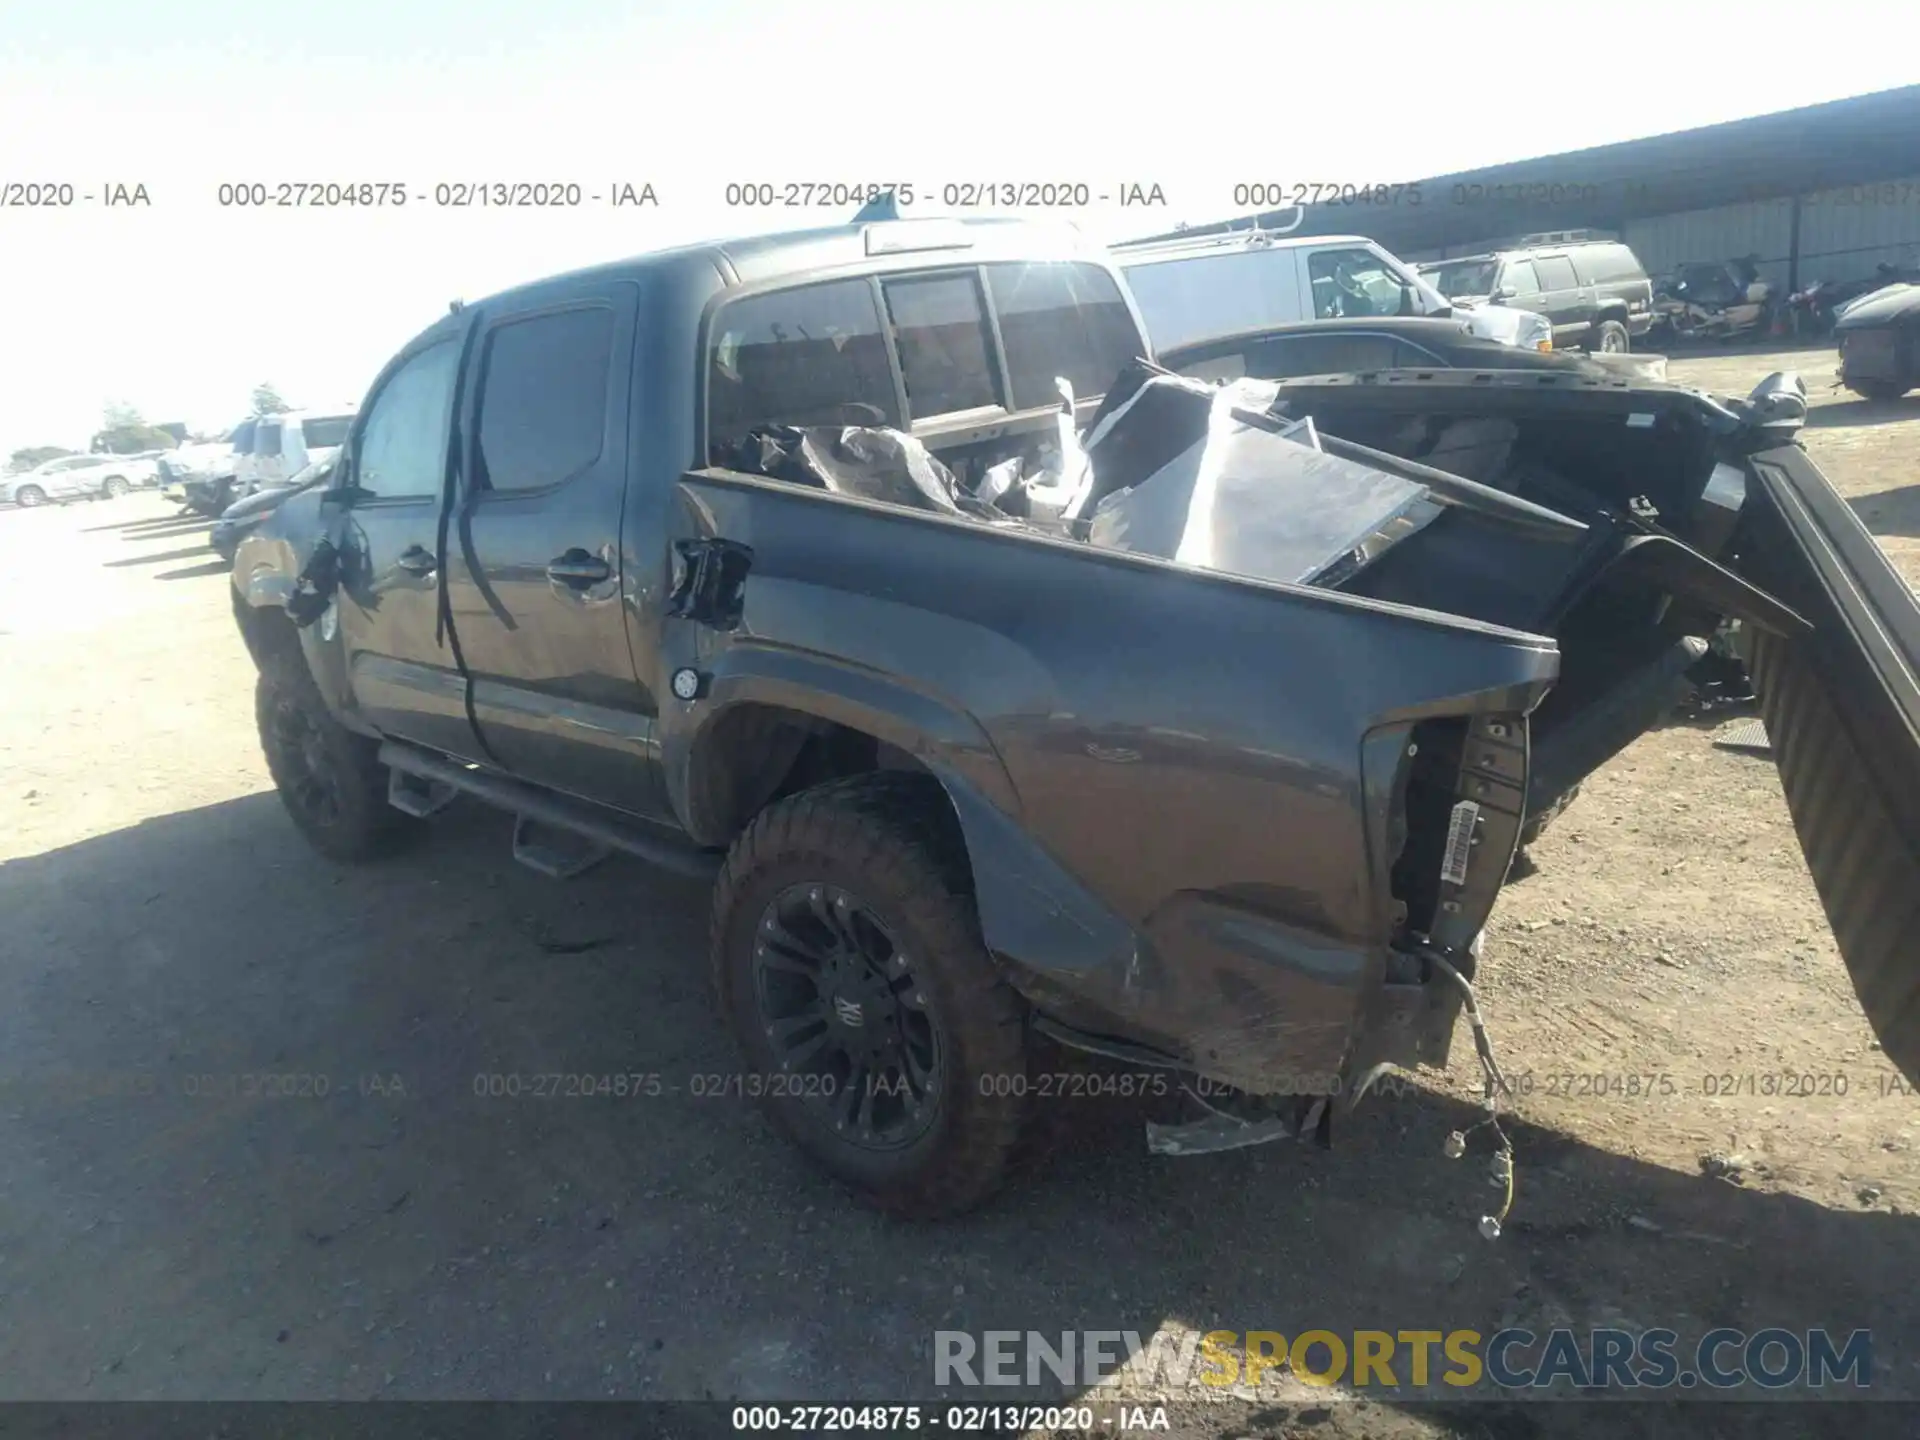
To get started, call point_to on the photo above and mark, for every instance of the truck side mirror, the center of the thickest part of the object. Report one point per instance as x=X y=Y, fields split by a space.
x=342 y=490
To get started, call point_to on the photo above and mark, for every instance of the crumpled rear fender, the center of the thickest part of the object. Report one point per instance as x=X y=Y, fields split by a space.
x=1178 y=790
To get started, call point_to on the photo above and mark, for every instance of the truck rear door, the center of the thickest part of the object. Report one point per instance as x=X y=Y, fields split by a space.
x=533 y=550
x=1842 y=710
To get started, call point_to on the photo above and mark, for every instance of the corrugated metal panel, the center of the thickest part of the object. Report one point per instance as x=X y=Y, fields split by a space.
x=1844 y=233
x=1866 y=137
x=1763 y=228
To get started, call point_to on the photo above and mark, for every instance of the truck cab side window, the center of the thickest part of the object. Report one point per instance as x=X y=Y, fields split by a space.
x=1517 y=278
x=403 y=445
x=812 y=355
x=940 y=329
x=543 y=398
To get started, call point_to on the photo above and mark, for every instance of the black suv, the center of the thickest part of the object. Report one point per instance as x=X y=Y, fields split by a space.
x=1595 y=293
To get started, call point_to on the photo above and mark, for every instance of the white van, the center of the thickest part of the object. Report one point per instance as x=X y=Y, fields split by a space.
x=1210 y=285
x=284 y=445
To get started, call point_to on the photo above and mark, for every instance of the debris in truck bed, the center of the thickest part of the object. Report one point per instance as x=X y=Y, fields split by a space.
x=1243 y=498
x=1178 y=469
x=872 y=462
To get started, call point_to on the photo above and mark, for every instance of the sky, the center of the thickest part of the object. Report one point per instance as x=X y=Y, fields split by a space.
x=180 y=307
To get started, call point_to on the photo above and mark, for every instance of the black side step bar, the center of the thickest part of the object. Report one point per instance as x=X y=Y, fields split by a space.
x=603 y=827
x=418 y=797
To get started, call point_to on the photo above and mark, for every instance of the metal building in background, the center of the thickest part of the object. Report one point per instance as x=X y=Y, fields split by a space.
x=1822 y=192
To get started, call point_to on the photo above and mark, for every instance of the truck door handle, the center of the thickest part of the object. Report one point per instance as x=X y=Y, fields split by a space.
x=578 y=569
x=417 y=560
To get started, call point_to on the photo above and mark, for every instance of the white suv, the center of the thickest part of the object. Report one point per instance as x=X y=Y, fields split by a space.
x=76 y=477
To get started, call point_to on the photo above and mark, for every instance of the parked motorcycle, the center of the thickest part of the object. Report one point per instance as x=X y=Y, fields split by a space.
x=1812 y=311
x=1712 y=300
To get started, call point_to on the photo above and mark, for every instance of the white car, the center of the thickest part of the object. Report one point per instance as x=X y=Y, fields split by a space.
x=1223 y=284
x=75 y=477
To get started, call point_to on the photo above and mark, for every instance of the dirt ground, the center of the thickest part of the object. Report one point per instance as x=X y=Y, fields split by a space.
x=1663 y=988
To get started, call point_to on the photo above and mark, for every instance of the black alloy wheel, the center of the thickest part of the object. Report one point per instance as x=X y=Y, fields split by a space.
x=879 y=1032
x=843 y=1009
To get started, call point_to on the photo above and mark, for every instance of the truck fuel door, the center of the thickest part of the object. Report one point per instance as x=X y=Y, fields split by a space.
x=709 y=581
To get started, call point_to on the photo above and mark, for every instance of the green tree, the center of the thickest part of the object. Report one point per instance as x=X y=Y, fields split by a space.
x=32 y=455
x=267 y=401
x=124 y=431
x=131 y=439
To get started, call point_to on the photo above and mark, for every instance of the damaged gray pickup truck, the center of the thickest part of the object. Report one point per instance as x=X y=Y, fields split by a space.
x=1014 y=688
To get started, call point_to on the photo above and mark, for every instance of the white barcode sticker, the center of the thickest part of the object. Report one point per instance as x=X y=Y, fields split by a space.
x=1453 y=871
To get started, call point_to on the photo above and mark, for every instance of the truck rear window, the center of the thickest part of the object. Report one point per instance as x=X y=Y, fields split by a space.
x=1059 y=319
x=940 y=330
x=817 y=355
x=814 y=355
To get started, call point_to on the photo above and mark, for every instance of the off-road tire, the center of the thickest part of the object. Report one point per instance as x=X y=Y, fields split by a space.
x=1605 y=330
x=891 y=841
x=359 y=824
x=29 y=496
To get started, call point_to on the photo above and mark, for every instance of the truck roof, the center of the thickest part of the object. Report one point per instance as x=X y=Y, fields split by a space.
x=871 y=246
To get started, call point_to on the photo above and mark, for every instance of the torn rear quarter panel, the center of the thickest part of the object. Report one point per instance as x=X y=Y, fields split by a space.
x=1177 y=788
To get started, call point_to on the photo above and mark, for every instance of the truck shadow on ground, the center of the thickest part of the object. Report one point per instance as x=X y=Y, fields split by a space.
x=187 y=553
x=213 y=566
x=176 y=530
x=152 y=527
x=1890 y=513
x=289 y=1137
x=1855 y=414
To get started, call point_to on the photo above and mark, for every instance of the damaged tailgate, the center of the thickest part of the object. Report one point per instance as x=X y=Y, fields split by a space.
x=1842 y=708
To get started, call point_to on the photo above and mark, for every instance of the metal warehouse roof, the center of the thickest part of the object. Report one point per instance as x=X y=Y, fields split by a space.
x=1864 y=139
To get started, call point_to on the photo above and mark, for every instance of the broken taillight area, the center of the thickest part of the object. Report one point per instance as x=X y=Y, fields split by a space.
x=1456 y=830
x=1464 y=808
